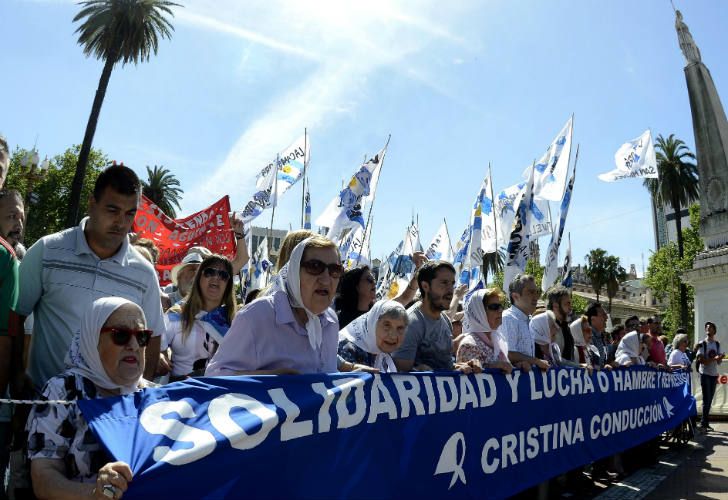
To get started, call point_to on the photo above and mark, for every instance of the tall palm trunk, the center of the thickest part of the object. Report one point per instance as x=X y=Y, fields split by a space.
x=683 y=289
x=78 y=178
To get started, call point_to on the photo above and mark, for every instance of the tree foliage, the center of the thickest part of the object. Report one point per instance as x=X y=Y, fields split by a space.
x=596 y=269
x=664 y=274
x=615 y=274
x=114 y=31
x=48 y=215
x=162 y=187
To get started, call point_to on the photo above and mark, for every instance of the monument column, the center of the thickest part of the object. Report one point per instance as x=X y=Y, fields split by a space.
x=709 y=275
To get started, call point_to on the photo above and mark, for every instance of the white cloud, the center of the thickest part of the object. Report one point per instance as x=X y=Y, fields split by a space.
x=345 y=43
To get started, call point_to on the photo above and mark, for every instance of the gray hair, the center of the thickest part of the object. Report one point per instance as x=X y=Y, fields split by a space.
x=679 y=338
x=4 y=144
x=518 y=284
x=394 y=310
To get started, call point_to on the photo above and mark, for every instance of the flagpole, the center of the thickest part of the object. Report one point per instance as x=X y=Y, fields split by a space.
x=374 y=195
x=275 y=202
x=303 y=187
x=449 y=240
x=492 y=199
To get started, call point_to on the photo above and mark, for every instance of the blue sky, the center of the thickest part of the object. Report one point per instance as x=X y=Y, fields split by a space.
x=457 y=84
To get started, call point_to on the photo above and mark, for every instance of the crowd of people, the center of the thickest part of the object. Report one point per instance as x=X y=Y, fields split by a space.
x=82 y=315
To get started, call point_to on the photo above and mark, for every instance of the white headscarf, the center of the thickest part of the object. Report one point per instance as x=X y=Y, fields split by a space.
x=628 y=348
x=475 y=323
x=83 y=356
x=289 y=280
x=362 y=332
x=540 y=326
x=576 y=332
x=475 y=319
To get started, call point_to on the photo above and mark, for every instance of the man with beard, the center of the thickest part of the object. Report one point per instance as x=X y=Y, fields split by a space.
x=559 y=301
x=515 y=327
x=427 y=343
x=598 y=320
x=63 y=273
x=12 y=217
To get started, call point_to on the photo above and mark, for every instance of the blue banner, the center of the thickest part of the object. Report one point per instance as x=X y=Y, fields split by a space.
x=429 y=435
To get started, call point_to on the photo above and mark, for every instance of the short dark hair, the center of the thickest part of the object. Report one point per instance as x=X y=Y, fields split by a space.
x=711 y=324
x=616 y=330
x=681 y=330
x=592 y=310
x=120 y=178
x=632 y=318
x=428 y=271
x=8 y=193
x=555 y=294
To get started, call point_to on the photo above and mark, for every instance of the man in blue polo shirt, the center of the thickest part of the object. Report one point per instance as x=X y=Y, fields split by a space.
x=63 y=273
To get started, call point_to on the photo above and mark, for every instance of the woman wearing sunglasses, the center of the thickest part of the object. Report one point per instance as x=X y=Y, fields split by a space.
x=482 y=344
x=197 y=325
x=106 y=358
x=293 y=330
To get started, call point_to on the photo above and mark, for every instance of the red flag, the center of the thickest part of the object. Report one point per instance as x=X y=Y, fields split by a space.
x=209 y=228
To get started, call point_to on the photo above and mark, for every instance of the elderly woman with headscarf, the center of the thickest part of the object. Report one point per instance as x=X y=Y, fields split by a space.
x=545 y=329
x=633 y=349
x=106 y=358
x=372 y=337
x=292 y=330
x=584 y=351
x=482 y=344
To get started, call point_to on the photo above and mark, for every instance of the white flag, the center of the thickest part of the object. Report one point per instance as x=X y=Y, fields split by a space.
x=551 y=271
x=518 y=243
x=260 y=266
x=290 y=163
x=540 y=219
x=440 y=248
x=552 y=169
x=354 y=250
x=489 y=239
x=635 y=158
x=346 y=210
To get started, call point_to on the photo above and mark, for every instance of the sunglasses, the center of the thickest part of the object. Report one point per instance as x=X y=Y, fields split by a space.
x=122 y=336
x=316 y=267
x=209 y=272
x=494 y=307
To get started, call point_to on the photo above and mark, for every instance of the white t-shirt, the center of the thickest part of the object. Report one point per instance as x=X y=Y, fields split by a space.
x=677 y=357
x=184 y=351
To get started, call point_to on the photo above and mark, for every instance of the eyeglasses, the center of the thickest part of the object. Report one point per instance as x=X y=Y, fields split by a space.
x=209 y=272
x=495 y=307
x=122 y=336
x=316 y=267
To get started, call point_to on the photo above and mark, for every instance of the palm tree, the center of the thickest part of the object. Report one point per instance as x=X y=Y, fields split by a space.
x=115 y=31
x=596 y=269
x=615 y=274
x=492 y=263
x=162 y=187
x=677 y=185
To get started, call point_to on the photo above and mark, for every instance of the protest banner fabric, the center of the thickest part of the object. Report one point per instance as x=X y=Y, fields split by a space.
x=566 y=268
x=634 y=159
x=552 y=168
x=505 y=211
x=209 y=228
x=290 y=164
x=439 y=248
x=428 y=435
x=551 y=270
x=346 y=210
x=518 y=249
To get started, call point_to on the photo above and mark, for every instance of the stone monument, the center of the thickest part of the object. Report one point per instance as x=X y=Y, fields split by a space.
x=709 y=275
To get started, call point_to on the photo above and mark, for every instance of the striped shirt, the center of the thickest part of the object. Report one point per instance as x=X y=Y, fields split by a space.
x=61 y=276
